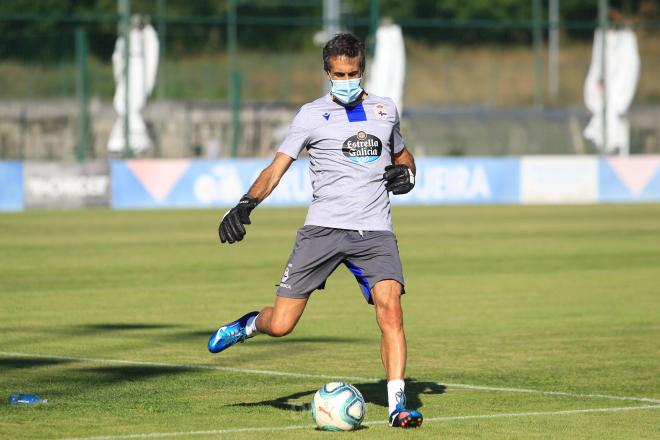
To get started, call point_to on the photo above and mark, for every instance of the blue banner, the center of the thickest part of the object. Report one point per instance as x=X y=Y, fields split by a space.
x=464 y=181
x=11 y=186
x=198 y=184
x=629 y=179
x=137 y=184
x=186 y=183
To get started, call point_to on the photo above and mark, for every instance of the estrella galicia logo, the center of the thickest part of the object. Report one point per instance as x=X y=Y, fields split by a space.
x=362 y=148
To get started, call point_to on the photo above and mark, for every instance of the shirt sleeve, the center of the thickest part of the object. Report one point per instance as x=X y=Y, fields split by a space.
x=297 y=138
x=396 y=140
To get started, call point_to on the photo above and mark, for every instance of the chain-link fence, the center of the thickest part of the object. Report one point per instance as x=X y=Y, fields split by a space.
x=228 y=84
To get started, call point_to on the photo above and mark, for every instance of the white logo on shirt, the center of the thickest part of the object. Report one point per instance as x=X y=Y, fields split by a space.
x=379 y=110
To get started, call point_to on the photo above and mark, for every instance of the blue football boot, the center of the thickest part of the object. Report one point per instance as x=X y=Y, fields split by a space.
x=405 y=418
x=230 y=334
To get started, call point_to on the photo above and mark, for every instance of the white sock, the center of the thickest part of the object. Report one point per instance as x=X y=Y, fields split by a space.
x=251 y=326
x=395 y=393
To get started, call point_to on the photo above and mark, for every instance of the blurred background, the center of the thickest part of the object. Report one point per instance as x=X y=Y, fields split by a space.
x=482 y=77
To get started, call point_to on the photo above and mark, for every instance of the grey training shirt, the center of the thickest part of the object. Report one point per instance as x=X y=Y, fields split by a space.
x=348 y=150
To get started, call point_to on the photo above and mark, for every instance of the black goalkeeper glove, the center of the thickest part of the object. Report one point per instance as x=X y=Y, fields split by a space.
x=398 y=179
x=231 y=226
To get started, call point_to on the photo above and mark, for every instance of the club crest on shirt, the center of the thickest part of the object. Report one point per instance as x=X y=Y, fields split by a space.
x=379 y=110
x=362 y=148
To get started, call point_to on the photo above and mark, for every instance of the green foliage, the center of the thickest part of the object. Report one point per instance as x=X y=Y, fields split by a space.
x=281 y=24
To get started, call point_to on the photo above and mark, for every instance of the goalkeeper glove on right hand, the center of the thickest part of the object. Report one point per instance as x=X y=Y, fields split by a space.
x=399 y=179
x=231 y=227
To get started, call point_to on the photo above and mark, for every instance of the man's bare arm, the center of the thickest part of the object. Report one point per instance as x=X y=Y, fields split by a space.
x=404 y=157
x=270 y=177
x=231 y=227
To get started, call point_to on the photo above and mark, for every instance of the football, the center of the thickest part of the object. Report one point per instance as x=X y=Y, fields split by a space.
x=338 y=406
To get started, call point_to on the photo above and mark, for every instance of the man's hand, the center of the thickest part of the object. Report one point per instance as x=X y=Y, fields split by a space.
x=398 y=179
x=231 y=226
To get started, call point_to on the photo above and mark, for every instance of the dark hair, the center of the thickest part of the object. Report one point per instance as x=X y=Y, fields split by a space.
x=343 y=44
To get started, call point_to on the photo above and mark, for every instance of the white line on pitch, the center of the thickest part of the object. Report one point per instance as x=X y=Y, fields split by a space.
x=548 y=393
x=192 y=433
x=545 y=413
x=322 y=376
x=433 y=419
x=188 y=366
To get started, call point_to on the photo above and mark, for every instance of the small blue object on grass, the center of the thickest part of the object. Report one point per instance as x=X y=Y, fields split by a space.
x=25 y=399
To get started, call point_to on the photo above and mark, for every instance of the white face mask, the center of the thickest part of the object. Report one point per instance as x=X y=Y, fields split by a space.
x=346 y=90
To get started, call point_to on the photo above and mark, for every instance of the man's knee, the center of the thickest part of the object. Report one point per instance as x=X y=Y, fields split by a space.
x=281 y=324
x=387 y=300
x=285 y=315
x=281 y=328
x=390 y=317
x=386 y=294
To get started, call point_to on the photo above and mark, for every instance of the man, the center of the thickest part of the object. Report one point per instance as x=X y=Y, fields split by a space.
x=356 y=156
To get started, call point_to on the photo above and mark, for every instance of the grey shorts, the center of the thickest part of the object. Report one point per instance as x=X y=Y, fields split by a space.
x=371 y=256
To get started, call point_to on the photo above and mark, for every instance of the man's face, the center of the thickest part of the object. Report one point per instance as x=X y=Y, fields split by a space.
x=342 y=67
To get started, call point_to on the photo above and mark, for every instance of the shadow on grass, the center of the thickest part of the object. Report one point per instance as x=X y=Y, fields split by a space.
x=204 y=335
x=110 y=329
x=359 y=428
x=309 y=339
x=373 y=392
x=129 y=373
x=115 y=326
x=67 y=384
x=29 y=362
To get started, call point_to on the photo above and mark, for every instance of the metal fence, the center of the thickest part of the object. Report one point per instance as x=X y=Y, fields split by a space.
x=220 y=94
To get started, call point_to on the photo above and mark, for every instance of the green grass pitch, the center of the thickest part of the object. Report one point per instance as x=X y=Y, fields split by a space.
x=552 y=314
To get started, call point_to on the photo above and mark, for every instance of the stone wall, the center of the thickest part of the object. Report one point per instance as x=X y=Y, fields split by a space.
x=48 y=130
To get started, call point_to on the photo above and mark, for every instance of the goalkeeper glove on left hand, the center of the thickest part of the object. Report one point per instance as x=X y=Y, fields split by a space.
x=231 y=227
x=398 y=179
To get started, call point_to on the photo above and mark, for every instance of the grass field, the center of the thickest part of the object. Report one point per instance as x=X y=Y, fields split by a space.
x=523 y=322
